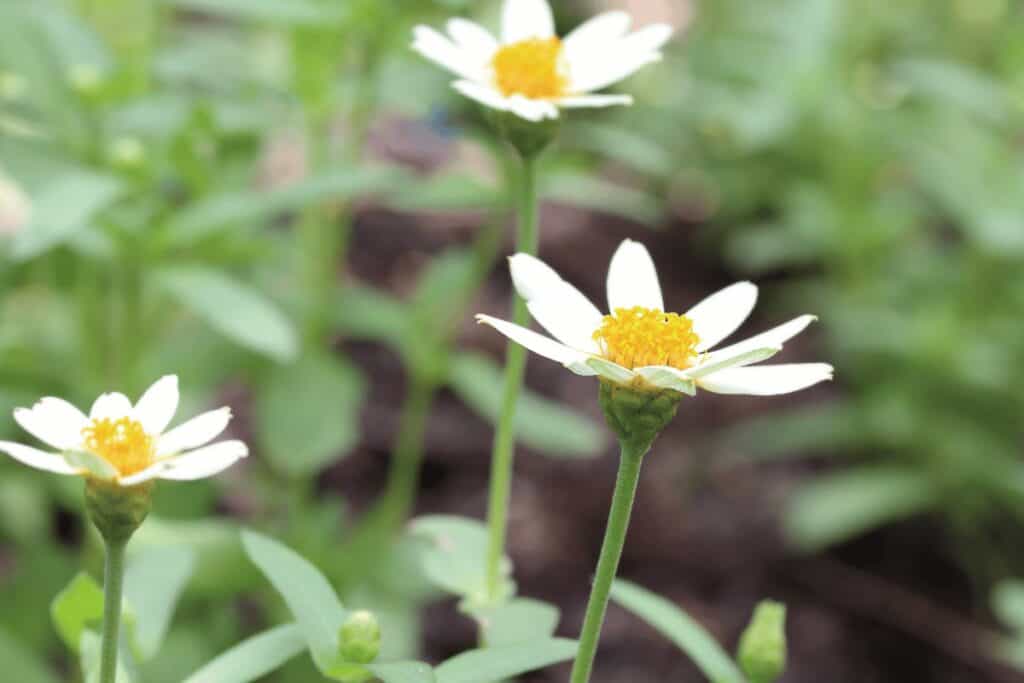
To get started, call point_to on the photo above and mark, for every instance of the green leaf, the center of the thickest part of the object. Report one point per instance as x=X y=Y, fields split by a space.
x=448 y=192
x=499 y=663
x=590 y=192
x=22 y=667
x=90 y=660
x=363 y=312
x=541 y=424
x=234 y=309
x=61 y=209
x=76 y=608
x=453 y=556
x=681 y=629
x=254 y=657
x=287 y=12
x=251 y=208
x=154 y=582
x=1008 y=604
x=302 y=437
x=840 y=506
x=520 y=620
x=403 y=672
x=309 y=596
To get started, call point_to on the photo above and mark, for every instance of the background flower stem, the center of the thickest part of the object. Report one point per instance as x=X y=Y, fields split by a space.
x=608 y=564
x=515 y=365
x=113 y=587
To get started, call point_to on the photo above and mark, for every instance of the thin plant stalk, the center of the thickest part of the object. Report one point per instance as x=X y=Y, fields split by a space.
x=113 y=589
x=608 y=563
x=503 y=451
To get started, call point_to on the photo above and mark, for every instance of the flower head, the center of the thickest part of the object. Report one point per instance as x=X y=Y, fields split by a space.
x=126 y=445
x=533 y=73
x=639 y=345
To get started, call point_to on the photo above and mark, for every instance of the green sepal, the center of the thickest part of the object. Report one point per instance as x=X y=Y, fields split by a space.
x=637 y=416
x=530 y=138
x=117 y=511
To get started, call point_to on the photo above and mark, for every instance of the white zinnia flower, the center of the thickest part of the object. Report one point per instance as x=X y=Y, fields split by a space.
x=124 y=444
x=640 y=345
x=533 y=73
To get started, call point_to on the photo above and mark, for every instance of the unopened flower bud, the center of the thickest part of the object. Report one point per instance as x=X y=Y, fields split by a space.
x=762 y=651
x=360 y=638
x=637 y=415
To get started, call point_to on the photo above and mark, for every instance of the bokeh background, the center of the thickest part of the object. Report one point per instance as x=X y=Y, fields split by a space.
x=278 y=201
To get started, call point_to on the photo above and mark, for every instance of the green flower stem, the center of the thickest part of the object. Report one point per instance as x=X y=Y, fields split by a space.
x=403 y=479
x=113 y=588
x=515 y=365
x=611 y=552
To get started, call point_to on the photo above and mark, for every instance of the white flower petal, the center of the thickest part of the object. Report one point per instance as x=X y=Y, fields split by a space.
x=667 y=377
x=112 y=406
x=722 y=362
x=594 y=101
x=632 y=279
x=594 y=35
x=194 y=433
x=532 y=110
x=484 y=94
x=767 y=380
x=156 y=408
x=612 y=62
x=560 y=308
x=609 y=370
x=439 y=49
x=525 y=19
x=199 y=464
x=473 y=38
x=571 y=358
x=777 y=336
x=718 y=316
x=40 y=460
x=53 y=421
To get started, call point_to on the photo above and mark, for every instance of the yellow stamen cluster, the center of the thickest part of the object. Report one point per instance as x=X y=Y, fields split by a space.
x=531 y=68
x=637 y=337
x=122 y=442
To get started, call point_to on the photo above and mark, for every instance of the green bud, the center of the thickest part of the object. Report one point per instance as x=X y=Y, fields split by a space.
x=636 y=415
x=762 y=651
x=117 y=511
x=126 y=153
x=360 y=638
x=85 y=79
x=530 y=138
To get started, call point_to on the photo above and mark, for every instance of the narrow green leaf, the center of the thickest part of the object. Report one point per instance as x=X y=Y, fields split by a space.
x=453 y=556
x=1008 y=604
x=307 y=593
x=154 y=582
x=233 y=308
x=402 y=672
x=448 y=192
x=302 y=437
x=253 y=658
x=76 y=608
x=681 y=629
x=837 y=507
x=61 y=209
x=499 y=663
x=286 y=12
x=363 y=312
x=520 y=620
x=541 y=424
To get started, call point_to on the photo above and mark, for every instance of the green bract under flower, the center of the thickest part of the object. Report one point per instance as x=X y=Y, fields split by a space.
x=645 y=348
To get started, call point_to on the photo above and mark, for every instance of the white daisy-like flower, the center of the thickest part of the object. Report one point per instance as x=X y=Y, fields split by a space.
x=641 y=346
x=15 y=208
x=532 y=72
x=126 y=444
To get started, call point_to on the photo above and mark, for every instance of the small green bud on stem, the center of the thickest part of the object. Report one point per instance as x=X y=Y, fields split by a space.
x=360 y=638
x=762 y=651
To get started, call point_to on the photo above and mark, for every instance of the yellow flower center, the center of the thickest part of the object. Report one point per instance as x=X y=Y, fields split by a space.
x=123 y=443
x=637 y=337
x=531 y=68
